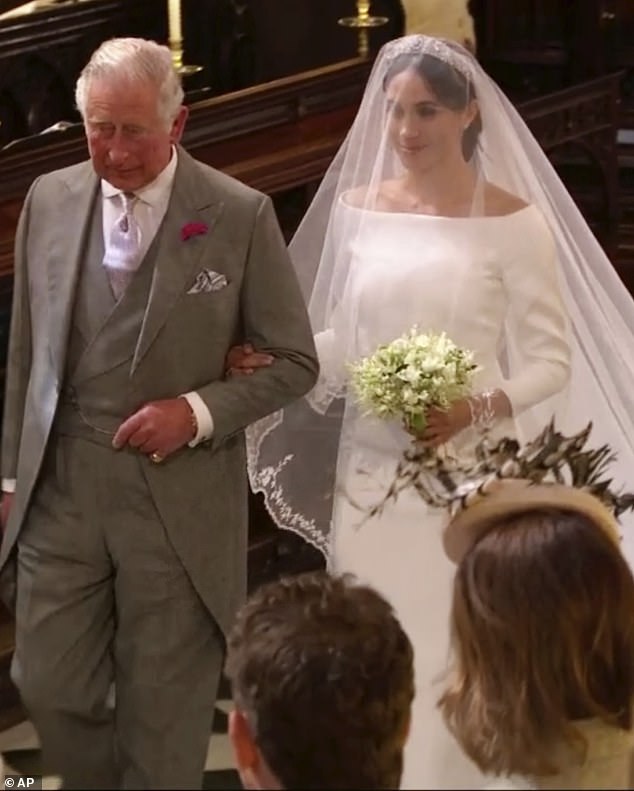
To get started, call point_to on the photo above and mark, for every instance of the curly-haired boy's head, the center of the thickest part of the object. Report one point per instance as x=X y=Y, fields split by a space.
x=323 y=681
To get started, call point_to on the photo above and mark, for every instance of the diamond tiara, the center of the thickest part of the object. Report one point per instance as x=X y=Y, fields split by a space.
x=438 y=48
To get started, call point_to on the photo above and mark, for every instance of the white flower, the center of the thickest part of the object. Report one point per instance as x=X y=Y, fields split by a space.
x=410 y=374
x=402 y=379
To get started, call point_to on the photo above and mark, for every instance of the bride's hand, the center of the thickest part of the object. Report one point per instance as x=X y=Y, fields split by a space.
x=244 y=360
x=442 y=425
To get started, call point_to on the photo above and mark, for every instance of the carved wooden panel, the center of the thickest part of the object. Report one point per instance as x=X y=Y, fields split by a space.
x=577 y=127
x=532 y=47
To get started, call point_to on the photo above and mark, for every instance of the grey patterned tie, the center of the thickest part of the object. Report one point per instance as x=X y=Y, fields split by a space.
x=122 y=253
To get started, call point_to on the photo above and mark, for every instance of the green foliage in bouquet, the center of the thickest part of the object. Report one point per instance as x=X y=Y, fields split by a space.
x=406 y=377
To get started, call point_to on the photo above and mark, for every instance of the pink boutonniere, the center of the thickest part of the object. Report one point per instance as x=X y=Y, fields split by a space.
x=193 y=229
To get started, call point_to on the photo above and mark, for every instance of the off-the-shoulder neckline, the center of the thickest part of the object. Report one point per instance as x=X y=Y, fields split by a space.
x=383 y=212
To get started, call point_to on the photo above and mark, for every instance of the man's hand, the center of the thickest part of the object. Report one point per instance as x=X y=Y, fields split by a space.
x=5 y=510
x=158 y=428
x=243 y=360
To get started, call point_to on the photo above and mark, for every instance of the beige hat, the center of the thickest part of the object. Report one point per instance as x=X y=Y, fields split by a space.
x=507 y=497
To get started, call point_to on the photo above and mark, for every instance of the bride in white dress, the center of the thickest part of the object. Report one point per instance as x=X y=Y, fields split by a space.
x=441 y=212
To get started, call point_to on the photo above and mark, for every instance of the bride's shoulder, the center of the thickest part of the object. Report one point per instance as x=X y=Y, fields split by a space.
x=525 y=221
x=380 y=197
x=500 y=202
x=357 y=197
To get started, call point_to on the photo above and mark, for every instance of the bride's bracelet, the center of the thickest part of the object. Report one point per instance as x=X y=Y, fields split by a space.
x=481 y=410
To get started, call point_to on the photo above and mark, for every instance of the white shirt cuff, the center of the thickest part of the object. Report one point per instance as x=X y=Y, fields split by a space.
x=203 y=417
x=8 y=485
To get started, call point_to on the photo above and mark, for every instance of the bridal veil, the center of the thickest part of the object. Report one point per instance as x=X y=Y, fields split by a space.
x=292 y=454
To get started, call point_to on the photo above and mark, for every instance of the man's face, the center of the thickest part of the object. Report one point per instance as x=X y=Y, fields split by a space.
x=129 y=142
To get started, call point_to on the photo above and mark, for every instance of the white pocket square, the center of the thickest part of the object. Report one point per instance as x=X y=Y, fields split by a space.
x=208 y=280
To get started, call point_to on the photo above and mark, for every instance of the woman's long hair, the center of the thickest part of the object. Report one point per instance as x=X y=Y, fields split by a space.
x=543 y=635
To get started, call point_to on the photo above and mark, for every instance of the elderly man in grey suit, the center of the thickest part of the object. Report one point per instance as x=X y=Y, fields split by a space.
x=123 y=439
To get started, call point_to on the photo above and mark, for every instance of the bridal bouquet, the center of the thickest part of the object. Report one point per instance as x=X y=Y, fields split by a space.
x=406 y=377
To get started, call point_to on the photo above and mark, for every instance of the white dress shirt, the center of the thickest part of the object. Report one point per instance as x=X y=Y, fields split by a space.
x=149 y=211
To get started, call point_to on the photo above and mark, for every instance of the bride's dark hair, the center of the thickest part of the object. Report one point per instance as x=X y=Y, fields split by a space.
x=450 y=87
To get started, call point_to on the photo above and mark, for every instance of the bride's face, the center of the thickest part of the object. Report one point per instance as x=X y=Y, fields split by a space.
x=424 y=133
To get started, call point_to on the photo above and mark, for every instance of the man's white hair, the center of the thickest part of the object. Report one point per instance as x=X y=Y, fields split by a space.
x=134 y=60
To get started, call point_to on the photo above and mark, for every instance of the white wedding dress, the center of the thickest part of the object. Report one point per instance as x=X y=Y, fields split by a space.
x=493 y=284
x=466 y=276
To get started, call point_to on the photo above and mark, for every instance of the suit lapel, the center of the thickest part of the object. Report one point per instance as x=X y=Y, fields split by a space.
x=178 y=260
x=75 y=211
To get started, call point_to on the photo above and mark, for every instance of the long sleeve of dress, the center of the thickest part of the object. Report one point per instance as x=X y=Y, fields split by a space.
x=332 y=366
x=537 y=323
x=332 y=331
